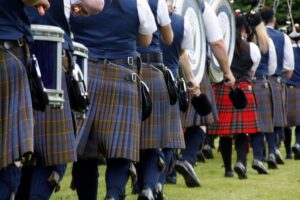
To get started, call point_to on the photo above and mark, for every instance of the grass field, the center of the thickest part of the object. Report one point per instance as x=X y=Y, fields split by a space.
x=281 y=184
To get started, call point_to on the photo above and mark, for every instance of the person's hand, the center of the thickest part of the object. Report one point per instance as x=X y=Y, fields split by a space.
x=42 y=6
x=229 y=79
x=193 y=88
x=78 y=10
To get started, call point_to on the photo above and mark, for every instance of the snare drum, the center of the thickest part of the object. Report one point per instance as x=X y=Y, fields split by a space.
x=81 y=57
x=47 y=47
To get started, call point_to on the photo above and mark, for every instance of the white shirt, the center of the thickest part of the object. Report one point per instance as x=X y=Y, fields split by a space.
x=272 y=58
x=211 y=24
x=255 y=56
x=187 y=42
x=147 y=21
x=67 y=8
x=163 y=18
x=288 y=56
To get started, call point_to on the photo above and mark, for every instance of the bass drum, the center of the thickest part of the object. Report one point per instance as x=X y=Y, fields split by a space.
x=190 y=9
x=227 y=23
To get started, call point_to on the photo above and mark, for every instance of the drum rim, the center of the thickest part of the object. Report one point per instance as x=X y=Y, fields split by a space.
x=47 y=33
x=80 y=49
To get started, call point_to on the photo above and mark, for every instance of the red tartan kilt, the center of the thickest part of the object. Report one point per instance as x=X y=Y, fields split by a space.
x=232 y=120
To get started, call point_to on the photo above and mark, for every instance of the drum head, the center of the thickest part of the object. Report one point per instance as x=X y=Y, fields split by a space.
x=197 y=55
x=227 y=23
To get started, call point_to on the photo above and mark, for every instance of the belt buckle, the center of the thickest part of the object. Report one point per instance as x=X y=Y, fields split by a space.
x=130 y=61
x=278 y=80
x=133 y=77
x=20 y=42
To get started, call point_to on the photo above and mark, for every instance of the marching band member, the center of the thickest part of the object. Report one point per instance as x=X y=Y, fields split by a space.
x=235 y=122
x=293 y=96
x=171 y=54
x=53 y=127
x=267 y=67
x=284 y=71
x=16 y=114
x=113 y=124
x=194 y=134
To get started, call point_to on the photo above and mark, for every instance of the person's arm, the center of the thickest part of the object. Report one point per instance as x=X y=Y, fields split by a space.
x=164 y=21
x=272 y=58
x=41 y=5
x=255 y=57
x=288 y=59
x=187 y=70
x=86 y=7
x=147 y=23
x=215 y=39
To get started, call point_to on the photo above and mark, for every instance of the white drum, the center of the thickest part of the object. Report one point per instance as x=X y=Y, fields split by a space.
x=47 y=47
x=227 y=22
x=81 y=57
x=190 y=9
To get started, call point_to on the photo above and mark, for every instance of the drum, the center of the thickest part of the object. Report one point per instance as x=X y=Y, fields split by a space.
x=81 y=58
x=47 y=48
x=190 y=9
x=227 y=23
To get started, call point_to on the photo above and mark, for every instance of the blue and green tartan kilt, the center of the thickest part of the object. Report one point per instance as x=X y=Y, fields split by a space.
x=278 y=90
x=113 y=122
x=264 y=107
x=191 y=118
x=16 y=115
x=54 y=134
x=156 y=129
x=293 y=106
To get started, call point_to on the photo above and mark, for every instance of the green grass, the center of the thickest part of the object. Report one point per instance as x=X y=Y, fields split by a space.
x=281 y=184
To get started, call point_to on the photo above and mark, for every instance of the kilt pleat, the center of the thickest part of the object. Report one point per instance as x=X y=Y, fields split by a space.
x=293 y=106
x=160 y=130
x=191 y=118
x=231 y=120
x=113 y=122
x=278 y=90
x=54 y=135
x=264 y=109
x=16 y=115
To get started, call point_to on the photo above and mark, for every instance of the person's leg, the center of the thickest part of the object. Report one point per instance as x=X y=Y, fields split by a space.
x=288 y=142
x=10 y=178
x=168 y=155
x=226 y=152
x=296 y=147
x=116 y=177
x=85 y=179
x=241 y=146
x=257 y=143
x=193 y=139
x=271 y=140
x=45 y=180
x=24 y=188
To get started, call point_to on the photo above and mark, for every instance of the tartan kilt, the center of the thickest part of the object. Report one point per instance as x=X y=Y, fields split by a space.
x=156 y=130
x=278 y=90
x=113 y=122
x=293 y=106
x=191 y=118
x=54 y=134
x=231 y=120
x=264 y=109
x=16 y=115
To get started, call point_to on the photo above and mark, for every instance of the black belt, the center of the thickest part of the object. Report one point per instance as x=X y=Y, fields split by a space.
x=10 y=44
x=156 y=57
x=133 y=63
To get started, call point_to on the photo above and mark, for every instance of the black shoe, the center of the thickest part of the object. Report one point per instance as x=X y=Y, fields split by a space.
x=200 y=157
x=240 y=169
x=159 y=195
x=171 y=179
x=259 y=167
x=229 y=174
x=289 y=156
x=296 y=151
x=146 y=194
x=207 y=152
x=272 y=162
x=278 y=156
x=109 y=198
x=187 y=171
